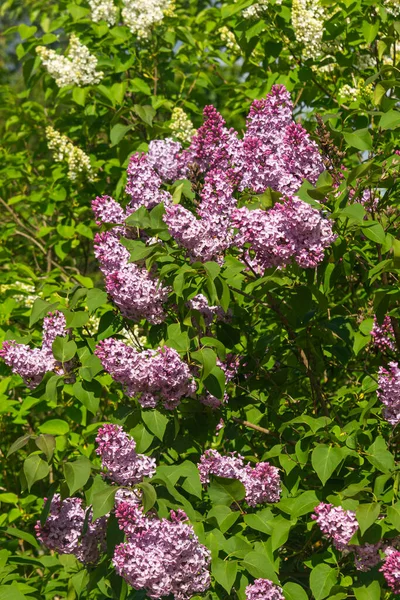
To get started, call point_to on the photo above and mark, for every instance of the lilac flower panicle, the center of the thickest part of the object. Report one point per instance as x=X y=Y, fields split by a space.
x=107 y=210
x=32 y=363
x=391 y=571
x=264 y=589
x=389 y=392
x=165 y=158
x=152 y=375
x=63 y=530
x=366 y=556
x=383 y=335
x=117 y=451
x=160 y=556
x=336 y=524
x=200 y=303
x=262 y=483
x=109 y=251
x=144 y=183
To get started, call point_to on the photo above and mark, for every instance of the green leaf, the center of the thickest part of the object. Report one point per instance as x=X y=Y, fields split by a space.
x=374 y=231
x=149 y=495
x=138 y=85
x=40 y=309
x=215 y=382
x=89 y=393
x=207 y=358
x=260 y=521
x=390 y=120
x=26 y=31
x=22 y=535
x=63 y=350
x=226 y=491
x=156 y=422
x=354 y=211
x=102 y=500
x=47 y=444
x=212 y=268
x=371 y=591
x=35 y=469
x=360 y=139
x=393 y=514
x=11 y=592
x=95 y=298
x=54 y=427
x=367 y=514
x=380 y=457
x=146 y=113
x=370 y=30
x=118 y=132
x=224 y=572
x=224 y=516
x=325 y=460
x=19 y=443
x=259 y=565
x=322 y=579
x=294 y=591
x=301 y=505
x=77 y=473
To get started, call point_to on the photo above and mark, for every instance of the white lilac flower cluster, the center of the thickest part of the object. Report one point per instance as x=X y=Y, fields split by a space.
x=140 y=16
x=33 y=363
x=308 y=24
x=392 y=7
x=358 y=92
x=118 y=455
x=262 y=482
x=229 y=40
x=103 y=10
x=21 y=292
x=258 y=9
x=64 y=150
x=79 y=68
x=181 y=126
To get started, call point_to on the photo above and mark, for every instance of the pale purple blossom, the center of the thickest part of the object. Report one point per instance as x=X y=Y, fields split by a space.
x=262 y=482
x=366 y=556
x=107 y=210
x=389 y=392
x=32 y=363
x=336 y=524
x=144 y=183
x=209 y=312
x=63 y=530
x=165 y=158
x=383 y=335
x=160 y=556
x=153 y=376
x=264 y=589
x=118 y=455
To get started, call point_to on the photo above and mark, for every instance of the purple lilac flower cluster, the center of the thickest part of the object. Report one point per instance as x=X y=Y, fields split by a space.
x=32 y=363
x=133 y=289
x=63 y=530
x=389 y=392
x=160 y=556
x=209 y=313
x=264 y=589
x=383 y=335
x=262 y=482
x=391 y=570
x=292 y=230
x=118 y=455
x=151 y=375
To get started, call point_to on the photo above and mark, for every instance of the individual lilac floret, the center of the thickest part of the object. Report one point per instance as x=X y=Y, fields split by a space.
x=160 y=556
x=391 y=571
x=262 y=483
x=107 y=210
x=118 y=455
x=289 y=231
x=366 y=556
x=164 y=156
x=389 y=392
x=32 y=363
x=383 y=335
x=63 y=530
x=337 y=524
x=152 y=375
x=264 y=589
x=143 y=184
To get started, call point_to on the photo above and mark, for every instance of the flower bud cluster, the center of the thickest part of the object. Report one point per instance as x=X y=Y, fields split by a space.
x=118 y=455
x=258 y=9
x=103 y=10
x=64 y=526
x=264 y=589
x=359 y=92
x=79 y=68
x=154 y=376
x=160 y=556
x=181 y=126
x=383 y=335
x=140 y=16
x=262 y=482
x=392 y=7
x=229 y=40
x=389 y=392
x=308 y=24
x=21 y=292
x=32 y=363
x=64 y=150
